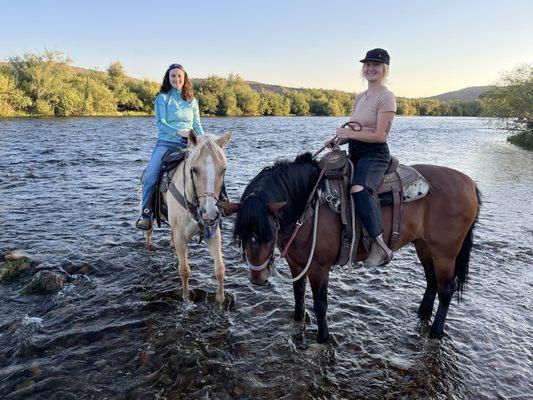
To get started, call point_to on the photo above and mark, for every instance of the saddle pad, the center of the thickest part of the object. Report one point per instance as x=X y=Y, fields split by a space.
x=403 y=177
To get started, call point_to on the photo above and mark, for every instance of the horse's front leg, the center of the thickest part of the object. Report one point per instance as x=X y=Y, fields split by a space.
x=299 y=298
x=319 y=284
x=214 y=244
x=149 y=236
x=180 y=247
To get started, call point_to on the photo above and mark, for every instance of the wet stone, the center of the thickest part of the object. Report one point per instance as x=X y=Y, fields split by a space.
x=45 y=281
x=74 y=269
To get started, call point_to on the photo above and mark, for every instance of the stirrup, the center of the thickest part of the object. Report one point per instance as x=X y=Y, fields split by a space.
x=144 y=222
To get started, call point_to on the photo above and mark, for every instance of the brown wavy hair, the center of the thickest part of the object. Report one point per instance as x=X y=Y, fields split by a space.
x=186 y=91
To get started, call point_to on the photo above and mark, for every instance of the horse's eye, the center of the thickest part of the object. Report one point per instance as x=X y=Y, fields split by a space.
x=194 y=170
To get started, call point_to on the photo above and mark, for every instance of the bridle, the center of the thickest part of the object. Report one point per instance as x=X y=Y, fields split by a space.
x=270 y=261
x=196 y=215
x=271 y=258
x=356 y=126
x=193 y=207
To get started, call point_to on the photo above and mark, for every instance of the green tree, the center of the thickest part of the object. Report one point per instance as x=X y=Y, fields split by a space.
x=511 y=102
x=47 y=80
x=227 y=105
x=117 y=75
x=209 y=93
x=299 y=103
x=207 y=102
x=347 y=102
x=319 y=106
x=96 y=97
x=145 y=91
x=405 y=107
x=13 y=101
x=274 y=104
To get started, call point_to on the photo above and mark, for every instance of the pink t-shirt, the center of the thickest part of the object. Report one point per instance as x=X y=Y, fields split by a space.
x=367 y=107
x=365 y=111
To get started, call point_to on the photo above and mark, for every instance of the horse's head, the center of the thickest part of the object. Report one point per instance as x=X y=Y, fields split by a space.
x=256 y=227
x=206 y=165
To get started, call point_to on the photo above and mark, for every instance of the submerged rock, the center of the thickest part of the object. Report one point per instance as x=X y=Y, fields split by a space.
x=45 y=281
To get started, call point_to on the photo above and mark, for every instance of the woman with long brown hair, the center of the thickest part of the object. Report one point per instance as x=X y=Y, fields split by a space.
x=176 y=112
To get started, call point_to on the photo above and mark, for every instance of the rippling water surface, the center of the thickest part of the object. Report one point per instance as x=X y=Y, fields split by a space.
x=118 y=329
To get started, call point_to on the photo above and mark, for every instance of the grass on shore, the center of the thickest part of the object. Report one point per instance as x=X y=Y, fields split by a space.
x=523 y=139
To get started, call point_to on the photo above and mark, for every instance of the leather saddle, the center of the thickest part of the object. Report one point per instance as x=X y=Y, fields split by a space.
x=401 y=184
x=169 y=162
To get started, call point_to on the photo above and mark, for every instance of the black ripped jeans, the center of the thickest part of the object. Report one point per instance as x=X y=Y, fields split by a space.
x=369 y=169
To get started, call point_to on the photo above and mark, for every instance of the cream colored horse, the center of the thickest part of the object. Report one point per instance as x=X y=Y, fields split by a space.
x=198 y=180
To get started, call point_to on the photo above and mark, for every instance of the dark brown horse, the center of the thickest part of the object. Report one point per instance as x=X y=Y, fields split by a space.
x=439 y=225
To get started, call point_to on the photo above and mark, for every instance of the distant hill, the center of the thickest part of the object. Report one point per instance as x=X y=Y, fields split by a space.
x=261 y=87
x=466 y=94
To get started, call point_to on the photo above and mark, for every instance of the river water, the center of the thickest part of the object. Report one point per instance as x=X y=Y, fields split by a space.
x=118 y=329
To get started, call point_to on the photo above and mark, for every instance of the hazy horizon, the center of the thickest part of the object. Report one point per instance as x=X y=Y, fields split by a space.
x=435 y=48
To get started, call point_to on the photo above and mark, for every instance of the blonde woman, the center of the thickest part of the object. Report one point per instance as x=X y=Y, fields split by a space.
x=366 y=133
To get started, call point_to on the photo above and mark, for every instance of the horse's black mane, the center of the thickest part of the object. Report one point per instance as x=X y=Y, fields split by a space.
x=289 y=181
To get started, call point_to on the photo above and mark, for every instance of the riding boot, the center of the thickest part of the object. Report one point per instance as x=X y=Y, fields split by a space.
x=380 y=254
x=144 y=222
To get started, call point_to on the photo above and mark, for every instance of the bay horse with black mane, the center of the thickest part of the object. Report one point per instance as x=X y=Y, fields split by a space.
x=440 y=226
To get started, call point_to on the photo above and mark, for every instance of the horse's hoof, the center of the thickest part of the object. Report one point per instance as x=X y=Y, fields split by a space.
x=322 y=339
x=186 y=297
x=299 y=341
x=306 y=318
x=229 y=302
x=436 y=335
x=315 y=349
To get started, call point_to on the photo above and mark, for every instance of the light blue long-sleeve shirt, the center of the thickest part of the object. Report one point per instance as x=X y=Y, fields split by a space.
x=174 y=114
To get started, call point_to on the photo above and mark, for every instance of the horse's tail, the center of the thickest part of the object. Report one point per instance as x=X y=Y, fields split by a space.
x=462 y=260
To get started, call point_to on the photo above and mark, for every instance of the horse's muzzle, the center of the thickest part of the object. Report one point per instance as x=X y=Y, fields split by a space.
x=209 y=218
x=259 y=273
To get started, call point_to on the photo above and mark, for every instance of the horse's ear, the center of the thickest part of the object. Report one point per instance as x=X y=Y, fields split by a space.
x=230 y=208
x=224 y=140
x=275 y=208
x=193 y=137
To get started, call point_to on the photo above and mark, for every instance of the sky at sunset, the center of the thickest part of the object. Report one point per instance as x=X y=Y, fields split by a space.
x=435 y=46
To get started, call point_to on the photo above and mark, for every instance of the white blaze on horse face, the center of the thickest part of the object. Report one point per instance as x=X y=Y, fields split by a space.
x=210 y=202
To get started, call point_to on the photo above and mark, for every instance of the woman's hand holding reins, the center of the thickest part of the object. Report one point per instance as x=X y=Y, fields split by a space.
x=330 y=143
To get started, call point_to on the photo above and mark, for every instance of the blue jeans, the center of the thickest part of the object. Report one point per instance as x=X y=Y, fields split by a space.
x=151 y=173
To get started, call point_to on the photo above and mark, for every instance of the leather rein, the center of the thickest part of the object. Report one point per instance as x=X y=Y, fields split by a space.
x=354 y=126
